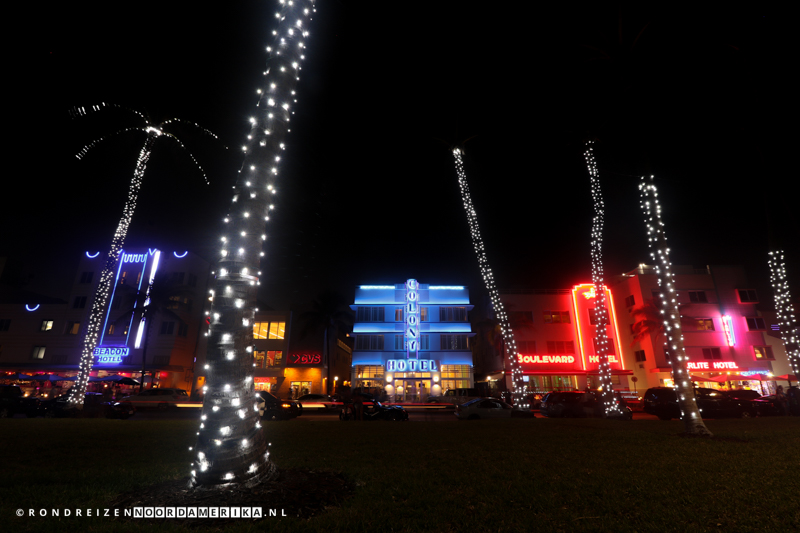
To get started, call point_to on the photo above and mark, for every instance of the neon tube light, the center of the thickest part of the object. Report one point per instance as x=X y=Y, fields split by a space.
x=180 y=256
x=34 y=309
x=92 y=256
x=727 y=327
x=577 y=324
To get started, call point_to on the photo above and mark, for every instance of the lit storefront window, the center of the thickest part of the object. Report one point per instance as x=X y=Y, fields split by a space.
x=269 y=330
x=455 y=376
x=267 y=359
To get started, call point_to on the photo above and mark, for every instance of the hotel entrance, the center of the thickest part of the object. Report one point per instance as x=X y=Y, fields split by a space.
x=411 y=387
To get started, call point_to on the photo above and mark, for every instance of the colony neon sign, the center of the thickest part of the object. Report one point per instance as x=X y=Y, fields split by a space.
x=111 y=354
x=411 y=365
x=412 y=319
x=713 y=365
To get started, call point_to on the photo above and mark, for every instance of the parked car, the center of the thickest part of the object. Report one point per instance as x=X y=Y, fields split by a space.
x=577 y=404
x=483 y=408
x=455 y=396
x=13 y=401
x=158 y=398
x=375 y=410
x=663 y=402
x=94 y=406
x=743 y=394
x=768 y=406
x=270 y=407
x=318 y=402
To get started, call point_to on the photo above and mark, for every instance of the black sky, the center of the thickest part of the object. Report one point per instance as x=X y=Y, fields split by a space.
x=700 y=98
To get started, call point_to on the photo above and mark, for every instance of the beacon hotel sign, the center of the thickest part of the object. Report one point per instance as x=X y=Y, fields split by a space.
x=412 y=362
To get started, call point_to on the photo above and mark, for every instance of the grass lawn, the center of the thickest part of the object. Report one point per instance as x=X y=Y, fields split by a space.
x=504 y=475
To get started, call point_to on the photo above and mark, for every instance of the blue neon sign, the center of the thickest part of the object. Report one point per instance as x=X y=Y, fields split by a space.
x=412 y=319
x=111 y=354
x=412 y=365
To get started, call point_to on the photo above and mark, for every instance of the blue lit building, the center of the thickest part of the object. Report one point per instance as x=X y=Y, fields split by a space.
x=412 y=339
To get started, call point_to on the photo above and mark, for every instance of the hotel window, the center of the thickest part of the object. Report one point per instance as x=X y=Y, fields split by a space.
x=72 y=328
x=47 y=325
x=453 y=342
x=609 y=343
x=38 y=352
x=86 y=277
x=592 y=320
x=193 y=280
x=698 y=297
x=369 y=371
x=269 y=330
x=560 y=347
x=526 y=347
x=455 y=377
x=423 y=314
x=711 y=353
x=763 y=352
x=183 y=329
x=369 y=342
x=110 y=330
x=122 y=278
x=452 y=314
x=556 y=317
x=79 y=303
x=756 y=323
x=370 y=314
x=640 y=356
x=5 y=323
x=398 y=314
x=630 y=301
x=258 y=359
x=747 y=296
x=703 y=324
x=267 y=359
x=178 y=277
x=167 y=328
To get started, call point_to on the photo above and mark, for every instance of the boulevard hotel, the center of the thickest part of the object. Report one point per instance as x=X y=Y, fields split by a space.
x=412 y=339
x=728 y=341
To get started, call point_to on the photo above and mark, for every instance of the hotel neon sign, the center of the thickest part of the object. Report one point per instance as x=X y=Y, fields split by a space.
x=712 y=365
x=412 y=319
x=412 y=365
x=111 y=354
x=727 y=327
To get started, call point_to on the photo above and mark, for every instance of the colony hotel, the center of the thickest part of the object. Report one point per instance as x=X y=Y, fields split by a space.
x=727 y=338
x=411 y=338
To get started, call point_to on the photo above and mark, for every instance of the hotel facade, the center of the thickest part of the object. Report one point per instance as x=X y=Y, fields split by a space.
x=412 y=340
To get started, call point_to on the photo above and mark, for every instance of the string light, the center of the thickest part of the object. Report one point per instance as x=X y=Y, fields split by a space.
x=234 y=446
x=610 y=403
x=673 y=337
x=787 y=321
x=104 y=286
x=518 y=393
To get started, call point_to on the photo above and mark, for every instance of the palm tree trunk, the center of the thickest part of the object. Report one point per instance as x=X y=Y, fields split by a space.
x=612 y=408
x=231 y=445
x=673 y=343
x=104 y=285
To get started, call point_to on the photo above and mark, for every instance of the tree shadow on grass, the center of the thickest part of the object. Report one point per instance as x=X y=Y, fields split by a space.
x=300 y=493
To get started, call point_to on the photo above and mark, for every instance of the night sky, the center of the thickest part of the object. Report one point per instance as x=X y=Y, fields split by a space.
x=702 y=99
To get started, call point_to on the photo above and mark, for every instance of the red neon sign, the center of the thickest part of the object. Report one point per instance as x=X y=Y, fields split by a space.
x=579 y=306
x=546 y=359
x=305 y=359
x=727 y=327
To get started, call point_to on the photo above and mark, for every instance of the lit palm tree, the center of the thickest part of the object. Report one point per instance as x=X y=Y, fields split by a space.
x=231 y=446
x=153 y=133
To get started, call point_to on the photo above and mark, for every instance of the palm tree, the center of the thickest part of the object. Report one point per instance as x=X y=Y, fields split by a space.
x=669 y=312
x=159 y=300
x=518 y=393
x=231 y=446
x=153 y=133
x=612 y=408
x=331 y=315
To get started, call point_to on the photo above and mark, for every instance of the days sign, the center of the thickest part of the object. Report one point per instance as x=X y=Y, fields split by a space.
x=412 y=365
x=412 y=319
x=712 y=365
x=111 y=354
x=305 y=359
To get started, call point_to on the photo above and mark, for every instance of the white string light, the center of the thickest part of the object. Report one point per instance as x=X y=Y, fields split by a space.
x=787 y=321
x=233 y=445
x=600 y=308
x=518 y=393
x=673 y=337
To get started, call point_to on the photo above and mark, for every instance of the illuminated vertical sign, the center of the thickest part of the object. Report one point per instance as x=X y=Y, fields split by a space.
x=727 y=327
x=582 y=307
x=412 y=319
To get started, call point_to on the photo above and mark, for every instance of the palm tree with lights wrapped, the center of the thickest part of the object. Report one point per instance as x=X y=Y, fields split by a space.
x=231 y=447
x=153 y=133
x=669 y=312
